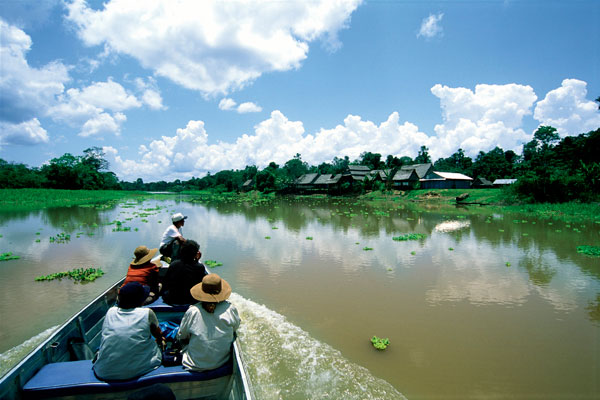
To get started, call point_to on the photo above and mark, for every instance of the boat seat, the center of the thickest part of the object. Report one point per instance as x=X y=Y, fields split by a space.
x=160 y=306
x=77 y=377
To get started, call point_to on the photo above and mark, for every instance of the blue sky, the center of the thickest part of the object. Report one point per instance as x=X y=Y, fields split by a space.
x=175 y=89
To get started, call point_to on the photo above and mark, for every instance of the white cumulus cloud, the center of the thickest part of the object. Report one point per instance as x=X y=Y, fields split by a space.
x=27 y=133
x=227 y=104
x=212 y=47
x=567 y=109
x=476 y=121
x=430 y=26
x=278 y=139
x=248 y=107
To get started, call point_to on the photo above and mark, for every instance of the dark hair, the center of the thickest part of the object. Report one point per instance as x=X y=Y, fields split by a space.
x=188 y=250
x=132 y=295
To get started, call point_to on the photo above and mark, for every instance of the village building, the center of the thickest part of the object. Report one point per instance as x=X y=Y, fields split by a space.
x=445 y=180
x=482 y=183
x=306 y=182
x=248 y=185
x=405 y=179
x=503 y=182
x=357 y=172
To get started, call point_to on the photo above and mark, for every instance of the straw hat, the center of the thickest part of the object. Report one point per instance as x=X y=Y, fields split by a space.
x=143 y=255
x=212 y=289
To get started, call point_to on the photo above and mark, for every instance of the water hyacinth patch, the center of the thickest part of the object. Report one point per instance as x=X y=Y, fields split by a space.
x=593 y=251
x=413 y=252
x=267 y=237
x=409 y=236
x=8 y=256
x=60 y=238
x=309 y=238
x=212 y=263
x=77 y=274
x=367 y=248
x=380 y=343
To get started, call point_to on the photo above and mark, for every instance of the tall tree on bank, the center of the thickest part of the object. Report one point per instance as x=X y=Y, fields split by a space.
x=423 y=156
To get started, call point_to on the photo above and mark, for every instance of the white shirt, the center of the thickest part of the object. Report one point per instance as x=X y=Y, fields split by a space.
x=170 y=234
x=127 y=349
x=210 y=335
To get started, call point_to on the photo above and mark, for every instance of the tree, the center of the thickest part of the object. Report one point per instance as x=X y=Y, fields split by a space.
x=340 y=164
x=547 y=136
x=598 y=101
x=493 y=165
x=457 y=162
x=423 y=156
x=371 y=160
x=295 y=168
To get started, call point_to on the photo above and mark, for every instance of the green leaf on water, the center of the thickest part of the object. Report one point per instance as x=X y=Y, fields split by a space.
x=593 y=251
x=380 y=343
x=212 y=263
x=8 y=256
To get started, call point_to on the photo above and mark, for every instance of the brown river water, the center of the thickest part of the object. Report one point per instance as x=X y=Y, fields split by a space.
x=486 y=306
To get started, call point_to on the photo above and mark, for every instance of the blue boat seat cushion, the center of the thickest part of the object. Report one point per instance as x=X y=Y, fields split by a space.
x=77 y=377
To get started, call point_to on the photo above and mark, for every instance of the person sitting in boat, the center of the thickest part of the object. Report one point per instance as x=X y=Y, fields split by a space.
x=144 y=271
x=208 y=327
x=127 y=349
x=183 y=274
x=172 y=238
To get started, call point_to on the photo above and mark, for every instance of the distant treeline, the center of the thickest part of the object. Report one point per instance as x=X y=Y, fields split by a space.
x=550 y=169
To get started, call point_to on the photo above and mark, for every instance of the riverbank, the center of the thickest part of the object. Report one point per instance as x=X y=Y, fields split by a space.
x=492 y=200
x=35 y=199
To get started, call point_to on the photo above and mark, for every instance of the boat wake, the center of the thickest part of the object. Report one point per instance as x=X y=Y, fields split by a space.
x=285 y=362
x=12 y=357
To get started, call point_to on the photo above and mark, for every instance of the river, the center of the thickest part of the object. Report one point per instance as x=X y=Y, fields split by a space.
x=485 y=306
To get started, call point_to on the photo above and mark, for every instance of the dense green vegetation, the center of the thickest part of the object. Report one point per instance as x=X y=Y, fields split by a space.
x=33 y=199
x=549 y=170
x=380 y=343
x=76 y=274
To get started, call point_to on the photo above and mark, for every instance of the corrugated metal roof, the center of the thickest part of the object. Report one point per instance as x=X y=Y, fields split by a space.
x=359 y=168
x=322 y=180
x=405 y=175
x=504 y=181
x=306 y=179
x=453 y=175
x=420 y=169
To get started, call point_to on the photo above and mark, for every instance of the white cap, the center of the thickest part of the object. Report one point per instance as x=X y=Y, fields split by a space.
x=177 y=217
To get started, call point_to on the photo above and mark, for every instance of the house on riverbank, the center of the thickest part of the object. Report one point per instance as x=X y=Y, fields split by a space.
x=445 y=180
x=503 y=182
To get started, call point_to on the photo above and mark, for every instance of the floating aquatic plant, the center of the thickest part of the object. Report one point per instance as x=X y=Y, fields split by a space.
x=593 y=251
x=212 y=263
x=267 y=237
x=77 y=274
x=8 y=256
x=380 y=343
x=450 y=248
x=413 y=252
x=507 y=264
x=409 y=236
x=60 y=238
x=367 y=248
x=309 y=238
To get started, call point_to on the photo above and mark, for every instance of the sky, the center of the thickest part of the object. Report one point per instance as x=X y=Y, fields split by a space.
x=176 y=89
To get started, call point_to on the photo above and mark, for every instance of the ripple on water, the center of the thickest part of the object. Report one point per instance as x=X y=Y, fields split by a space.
x=285 y=362
x=11 y=357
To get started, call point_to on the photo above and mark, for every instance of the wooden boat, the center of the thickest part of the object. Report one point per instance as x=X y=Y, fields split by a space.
x=53 y=369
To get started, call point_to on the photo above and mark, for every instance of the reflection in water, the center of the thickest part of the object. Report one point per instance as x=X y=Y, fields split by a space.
x=451 y=226
x=593 y=309
x=492 y=317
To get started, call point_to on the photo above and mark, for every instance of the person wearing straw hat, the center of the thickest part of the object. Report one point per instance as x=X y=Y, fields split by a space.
x=127 y=349
x=172 y=238
x=144 y=271
x=208 y=327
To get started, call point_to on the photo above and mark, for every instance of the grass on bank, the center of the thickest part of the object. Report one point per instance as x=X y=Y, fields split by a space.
x=35 y=199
